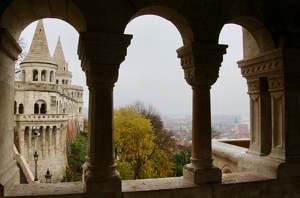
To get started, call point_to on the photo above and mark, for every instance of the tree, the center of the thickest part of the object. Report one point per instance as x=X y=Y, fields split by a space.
x=76 y=158
x=181 y=158
x=21 y=57
x=164 y=138
x=135 y=146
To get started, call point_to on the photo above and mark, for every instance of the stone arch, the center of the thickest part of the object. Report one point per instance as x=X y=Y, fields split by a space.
x=36 y=108
x=44 y=75
x=171 y=15
x=15 y=19
x=35 y=75
x=40 y=107
x=51 y=76
x=21 y=108
x=254 y=34
x=227 y=169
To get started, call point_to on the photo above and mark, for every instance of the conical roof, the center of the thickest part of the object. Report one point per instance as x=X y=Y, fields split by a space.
x=39 y=51
x=59 y=57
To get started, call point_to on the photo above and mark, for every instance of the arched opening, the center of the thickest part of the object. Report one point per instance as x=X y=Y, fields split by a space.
x=21 y=108
x=57 y=81
x=51 y=76
x=43 y=109
x=231 y=115
x=36 y=108
x=35 y=75
x=63 y=81
x=151 y=67
x=44 y=75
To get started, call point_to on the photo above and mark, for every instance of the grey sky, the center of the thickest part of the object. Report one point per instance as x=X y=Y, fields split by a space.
x=152 y=71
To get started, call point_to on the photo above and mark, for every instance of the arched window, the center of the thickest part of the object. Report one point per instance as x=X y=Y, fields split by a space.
x=23 y=77
x=21 y=108
x=67 y=82
x=57 y=81
x=36 y=108
x=35 y=75
x=79 y=109
x=63 y=82
x=43 y=108
x=43 y=75
x=51 y=76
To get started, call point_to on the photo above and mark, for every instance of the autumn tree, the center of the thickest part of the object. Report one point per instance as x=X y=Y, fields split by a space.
x=164 y=138
x=136 y=147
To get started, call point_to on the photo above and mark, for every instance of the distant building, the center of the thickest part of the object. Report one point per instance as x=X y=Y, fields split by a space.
x=46 y=99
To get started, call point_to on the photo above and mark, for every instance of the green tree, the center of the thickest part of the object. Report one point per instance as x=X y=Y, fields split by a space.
x=76 y=158
x=181 y=158
x=135 y=142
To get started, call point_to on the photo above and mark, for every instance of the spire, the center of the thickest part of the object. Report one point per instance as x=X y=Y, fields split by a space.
x=59 y=57
x=39 y=51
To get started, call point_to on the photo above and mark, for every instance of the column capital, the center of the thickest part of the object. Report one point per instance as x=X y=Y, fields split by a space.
x=101 y=55
x=201 y=62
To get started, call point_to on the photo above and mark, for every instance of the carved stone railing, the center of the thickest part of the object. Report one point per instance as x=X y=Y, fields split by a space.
x=41 y=117
x=25 y=167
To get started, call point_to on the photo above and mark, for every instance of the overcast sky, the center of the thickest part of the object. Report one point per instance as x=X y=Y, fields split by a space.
x=152 y=72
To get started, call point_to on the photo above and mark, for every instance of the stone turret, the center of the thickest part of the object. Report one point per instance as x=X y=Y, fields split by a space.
x=38 y=66
x=63 y=75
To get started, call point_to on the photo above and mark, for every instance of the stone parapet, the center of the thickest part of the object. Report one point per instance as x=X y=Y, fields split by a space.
x=37 y=87
x=42 y=118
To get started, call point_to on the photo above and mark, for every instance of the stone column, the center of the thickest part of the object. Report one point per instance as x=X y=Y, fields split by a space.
x=260 y=116
x=9 y=51
x=101 y=54
x=201 y=63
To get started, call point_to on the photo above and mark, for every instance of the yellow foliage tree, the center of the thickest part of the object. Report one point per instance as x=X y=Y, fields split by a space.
x=135 y=142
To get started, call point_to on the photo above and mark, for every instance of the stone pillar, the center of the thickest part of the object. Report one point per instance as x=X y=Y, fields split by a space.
x=21 y=140
x=101 y=55
x=275 y=115
x=201 y=63
x=285 y=99
x=260 y=116
x=9 y=50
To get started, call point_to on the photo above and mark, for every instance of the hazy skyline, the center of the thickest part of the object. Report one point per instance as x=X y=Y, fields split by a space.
x=152 y=72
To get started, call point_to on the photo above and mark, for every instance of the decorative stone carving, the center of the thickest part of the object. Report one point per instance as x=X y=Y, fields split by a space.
x=101 y=55
x=201 y=62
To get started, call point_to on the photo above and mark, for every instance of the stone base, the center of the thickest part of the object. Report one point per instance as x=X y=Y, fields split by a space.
x=9 y=175
x=98 y=187
x=202 y=175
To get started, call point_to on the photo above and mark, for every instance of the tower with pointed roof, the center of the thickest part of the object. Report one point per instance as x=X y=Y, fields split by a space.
x=46 y=99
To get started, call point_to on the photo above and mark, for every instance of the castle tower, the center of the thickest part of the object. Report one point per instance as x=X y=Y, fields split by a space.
x=63 y=75
x=38 y=65
x=56 y=109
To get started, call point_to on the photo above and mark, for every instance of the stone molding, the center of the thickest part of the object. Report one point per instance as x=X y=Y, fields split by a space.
x=269 y=63
x=201 y=62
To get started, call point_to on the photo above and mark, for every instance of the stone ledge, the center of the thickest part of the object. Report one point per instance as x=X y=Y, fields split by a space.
x=162 y=187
